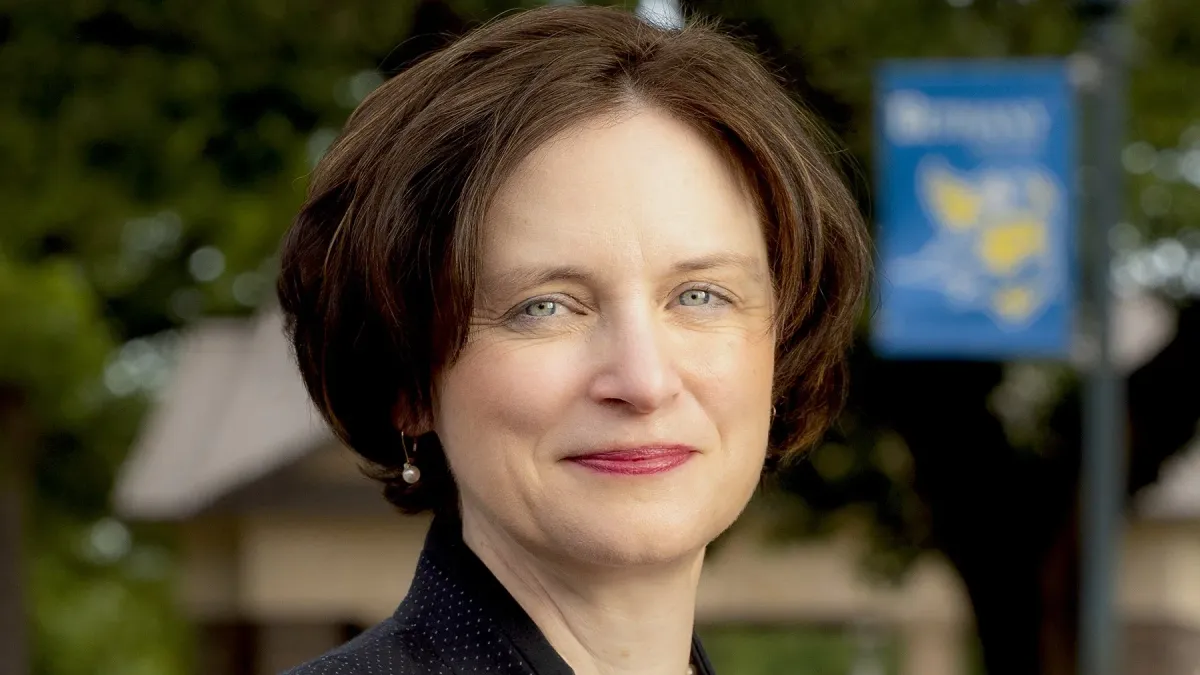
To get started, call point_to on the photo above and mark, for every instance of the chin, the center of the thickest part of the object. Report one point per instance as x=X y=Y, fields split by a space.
x=621 y=535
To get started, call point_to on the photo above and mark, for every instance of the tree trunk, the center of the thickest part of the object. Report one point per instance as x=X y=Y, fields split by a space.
x=14 y=452
x=1025 y=602
x=1005 y=603
x=13 y=641
x=996 y=513
x=1058 y=633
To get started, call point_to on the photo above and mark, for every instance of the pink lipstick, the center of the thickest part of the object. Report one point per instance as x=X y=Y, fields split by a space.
x=639 y=461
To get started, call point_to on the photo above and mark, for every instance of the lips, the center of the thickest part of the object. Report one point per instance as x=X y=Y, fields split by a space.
x=639 y=461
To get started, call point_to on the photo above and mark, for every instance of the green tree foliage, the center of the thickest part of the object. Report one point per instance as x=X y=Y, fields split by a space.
x=1164 y=195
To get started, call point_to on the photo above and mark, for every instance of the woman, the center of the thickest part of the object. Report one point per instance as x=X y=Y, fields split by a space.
x=568 y=283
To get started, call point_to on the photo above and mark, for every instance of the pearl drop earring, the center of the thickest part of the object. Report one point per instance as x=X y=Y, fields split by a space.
x=411 y=474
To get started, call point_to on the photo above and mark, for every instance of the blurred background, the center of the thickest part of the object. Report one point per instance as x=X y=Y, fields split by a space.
x=170 y=505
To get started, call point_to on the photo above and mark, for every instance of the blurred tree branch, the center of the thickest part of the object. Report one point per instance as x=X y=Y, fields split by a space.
x=16 y=439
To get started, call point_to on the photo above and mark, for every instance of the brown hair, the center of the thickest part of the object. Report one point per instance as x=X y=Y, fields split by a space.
x=393 y=217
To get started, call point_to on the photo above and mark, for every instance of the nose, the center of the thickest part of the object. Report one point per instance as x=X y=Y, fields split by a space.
x=637 y=365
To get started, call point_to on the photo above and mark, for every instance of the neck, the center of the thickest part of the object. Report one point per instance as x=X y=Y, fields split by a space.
x=601 y=620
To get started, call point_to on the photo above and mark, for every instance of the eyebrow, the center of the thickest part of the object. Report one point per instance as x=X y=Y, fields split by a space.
x=748 y=264
x=525 y=277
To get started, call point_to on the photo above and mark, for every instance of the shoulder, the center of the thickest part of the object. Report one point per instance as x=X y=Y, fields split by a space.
x=388 y=648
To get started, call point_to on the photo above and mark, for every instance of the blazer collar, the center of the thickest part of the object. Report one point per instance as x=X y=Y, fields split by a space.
x=464 y=572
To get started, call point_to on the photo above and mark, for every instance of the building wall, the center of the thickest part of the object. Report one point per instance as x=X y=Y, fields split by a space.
x=281 y=567
x=1160 y=574
x=1159 y=648
x=283 y=571
x=280 y=572
x=748 y=578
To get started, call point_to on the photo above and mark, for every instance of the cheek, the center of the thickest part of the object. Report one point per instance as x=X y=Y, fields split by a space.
x=737 y=373
x=735 y=391
x=502 y=395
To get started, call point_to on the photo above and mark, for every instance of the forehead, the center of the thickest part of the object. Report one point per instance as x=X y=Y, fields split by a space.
x=638 y=184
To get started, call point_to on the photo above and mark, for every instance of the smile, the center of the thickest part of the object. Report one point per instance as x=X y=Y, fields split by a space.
x=637 y=461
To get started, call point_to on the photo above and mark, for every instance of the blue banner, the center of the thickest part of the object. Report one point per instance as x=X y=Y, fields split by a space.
x=975 y=209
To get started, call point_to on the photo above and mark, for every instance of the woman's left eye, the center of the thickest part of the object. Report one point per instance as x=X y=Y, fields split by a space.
x=695 y=297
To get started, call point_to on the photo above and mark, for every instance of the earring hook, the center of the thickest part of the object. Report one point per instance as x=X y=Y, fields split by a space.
x=411 y=474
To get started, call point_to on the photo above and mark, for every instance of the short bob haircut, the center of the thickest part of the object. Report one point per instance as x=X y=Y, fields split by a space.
x=378 y=271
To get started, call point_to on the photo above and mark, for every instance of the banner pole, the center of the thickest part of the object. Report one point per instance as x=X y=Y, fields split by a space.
x=1102 y=487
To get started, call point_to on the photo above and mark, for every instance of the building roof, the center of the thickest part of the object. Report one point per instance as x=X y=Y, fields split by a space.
x=236 y=411
x=1176 y=494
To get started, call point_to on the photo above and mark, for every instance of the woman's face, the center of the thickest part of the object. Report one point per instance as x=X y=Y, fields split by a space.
x=613 y=400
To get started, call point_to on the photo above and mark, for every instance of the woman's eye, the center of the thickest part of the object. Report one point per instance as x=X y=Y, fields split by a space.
x=695 y=298
x=541 y=308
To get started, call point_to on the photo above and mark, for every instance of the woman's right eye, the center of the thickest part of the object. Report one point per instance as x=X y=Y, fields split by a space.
x=541 y=308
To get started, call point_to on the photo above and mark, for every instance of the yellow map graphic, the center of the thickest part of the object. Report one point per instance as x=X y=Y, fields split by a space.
x=992 y=247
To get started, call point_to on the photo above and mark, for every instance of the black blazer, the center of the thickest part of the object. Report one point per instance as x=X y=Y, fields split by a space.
x=457 y=619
